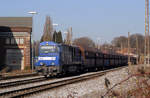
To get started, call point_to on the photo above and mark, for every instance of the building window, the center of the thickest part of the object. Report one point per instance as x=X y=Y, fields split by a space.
x=17 y=40
x=21 y=41
x=7 y=41
x=13 y=41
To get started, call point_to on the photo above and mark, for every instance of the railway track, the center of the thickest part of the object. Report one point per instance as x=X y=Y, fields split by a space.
x=7 y=77
x=42 y=87
x=21 y=82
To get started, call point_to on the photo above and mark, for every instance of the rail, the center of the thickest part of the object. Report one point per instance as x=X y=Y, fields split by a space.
x=38 y=88
x=21 y=82
x=6 y=76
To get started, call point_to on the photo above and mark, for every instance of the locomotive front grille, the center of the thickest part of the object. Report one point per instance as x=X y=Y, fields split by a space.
x=52 y=70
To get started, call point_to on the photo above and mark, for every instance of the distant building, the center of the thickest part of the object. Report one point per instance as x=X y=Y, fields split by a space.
x=15 y=42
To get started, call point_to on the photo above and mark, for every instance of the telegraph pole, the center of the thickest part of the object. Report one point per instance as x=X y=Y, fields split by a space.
x=129 y=48
x=137 y=50
x=148 y=29
x=146 y=50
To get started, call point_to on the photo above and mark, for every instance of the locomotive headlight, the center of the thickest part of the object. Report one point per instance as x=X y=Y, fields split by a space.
x=41 y=63
x=47 y=43
x=53 y=63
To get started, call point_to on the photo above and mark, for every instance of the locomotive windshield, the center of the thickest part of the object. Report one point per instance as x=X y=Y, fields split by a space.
x=49 y=49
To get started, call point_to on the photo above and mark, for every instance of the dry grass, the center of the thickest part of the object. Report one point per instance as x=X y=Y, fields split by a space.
x=135 y=84
x=140 y=76
x=142 y=81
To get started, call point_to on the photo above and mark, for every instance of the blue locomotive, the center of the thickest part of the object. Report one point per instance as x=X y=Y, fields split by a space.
x=55 y=59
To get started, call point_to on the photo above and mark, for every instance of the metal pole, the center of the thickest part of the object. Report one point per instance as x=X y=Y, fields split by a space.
x=121 y=48
x=145 y=48
x=148 y=29
x=70 y=35
x=128 y=48
x=32 y=40
x=55 y=36
x=137 y=49
x=98 y=40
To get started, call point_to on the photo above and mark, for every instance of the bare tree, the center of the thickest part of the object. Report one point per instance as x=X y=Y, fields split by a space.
x=84 y=42
x=68 y=39
x=122 y=42
x=140 y=42
x=48 y=29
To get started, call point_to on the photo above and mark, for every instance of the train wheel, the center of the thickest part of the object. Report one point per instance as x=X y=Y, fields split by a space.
x=59 y=75
x=96 y=69
x=46 y=76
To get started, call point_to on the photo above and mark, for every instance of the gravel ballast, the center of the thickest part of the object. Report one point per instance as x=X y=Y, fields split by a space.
x=92 y=88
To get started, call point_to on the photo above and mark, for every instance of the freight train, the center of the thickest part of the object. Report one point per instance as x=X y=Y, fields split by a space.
x=57 y=59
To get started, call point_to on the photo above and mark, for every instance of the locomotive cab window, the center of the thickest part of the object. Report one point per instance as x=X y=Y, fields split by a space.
x=49 y=49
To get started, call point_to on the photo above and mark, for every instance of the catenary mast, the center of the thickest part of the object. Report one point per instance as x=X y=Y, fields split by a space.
x=146 y=52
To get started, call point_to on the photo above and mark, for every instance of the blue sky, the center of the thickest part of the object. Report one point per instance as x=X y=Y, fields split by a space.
x=104 y=19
